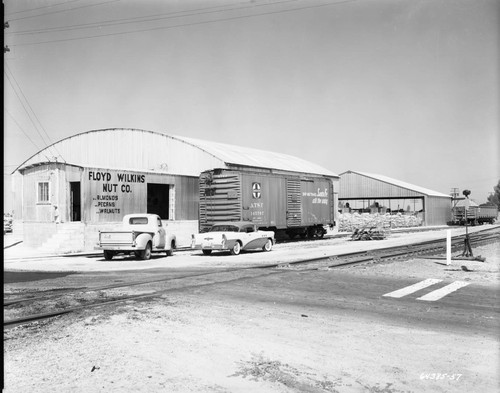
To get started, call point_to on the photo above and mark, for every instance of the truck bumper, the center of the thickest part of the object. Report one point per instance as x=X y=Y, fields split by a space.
x=117 y=248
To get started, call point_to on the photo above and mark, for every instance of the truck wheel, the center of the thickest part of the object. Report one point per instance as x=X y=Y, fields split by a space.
x=171 y=251
x=146 y=253
x=236 y=248
x=206 y=252
x=108 y=255
x=268 y=246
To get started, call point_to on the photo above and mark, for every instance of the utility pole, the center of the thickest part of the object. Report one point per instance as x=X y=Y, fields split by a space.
x=454 y=196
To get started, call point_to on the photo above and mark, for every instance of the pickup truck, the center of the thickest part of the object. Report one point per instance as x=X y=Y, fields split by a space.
x=141 y=234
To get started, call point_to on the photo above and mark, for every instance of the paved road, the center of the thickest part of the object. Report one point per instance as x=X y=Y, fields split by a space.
x=470 y=309
x=453 y=305
x=365 y=328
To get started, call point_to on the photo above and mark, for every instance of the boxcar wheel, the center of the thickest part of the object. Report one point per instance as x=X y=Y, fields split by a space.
x=207 y=252
x=108 y=255
x=268 y=246
x=236 y=248
x=146 y=253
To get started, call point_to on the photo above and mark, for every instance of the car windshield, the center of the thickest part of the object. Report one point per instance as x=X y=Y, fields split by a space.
x=225 y=228
x=138 y=220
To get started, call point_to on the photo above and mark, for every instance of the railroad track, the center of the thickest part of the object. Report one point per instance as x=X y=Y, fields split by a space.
x=36 y=307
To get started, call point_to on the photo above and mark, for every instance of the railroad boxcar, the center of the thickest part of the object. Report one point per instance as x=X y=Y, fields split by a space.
x=487 y=213
x=460 y=215
x=297 y=205
x=481 y=214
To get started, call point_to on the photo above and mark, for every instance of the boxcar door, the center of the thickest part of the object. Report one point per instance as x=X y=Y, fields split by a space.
x=293 y=208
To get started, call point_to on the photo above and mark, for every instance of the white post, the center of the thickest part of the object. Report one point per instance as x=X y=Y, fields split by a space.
x=448 y=247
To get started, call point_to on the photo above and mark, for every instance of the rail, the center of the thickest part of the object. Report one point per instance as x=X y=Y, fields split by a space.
x=334 y=261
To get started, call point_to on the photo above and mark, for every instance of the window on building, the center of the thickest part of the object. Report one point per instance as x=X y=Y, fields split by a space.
x=43 y=192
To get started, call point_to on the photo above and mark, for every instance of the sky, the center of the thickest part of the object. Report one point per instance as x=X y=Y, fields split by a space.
x=407 y=89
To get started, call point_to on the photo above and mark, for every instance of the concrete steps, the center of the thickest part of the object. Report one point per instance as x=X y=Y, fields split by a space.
x=69 y=238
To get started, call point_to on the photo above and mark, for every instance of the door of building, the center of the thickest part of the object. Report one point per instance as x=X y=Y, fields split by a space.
x=159 y=199
x=75 y=201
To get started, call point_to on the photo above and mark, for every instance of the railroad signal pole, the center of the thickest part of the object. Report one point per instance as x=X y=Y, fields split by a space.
x=467 y=247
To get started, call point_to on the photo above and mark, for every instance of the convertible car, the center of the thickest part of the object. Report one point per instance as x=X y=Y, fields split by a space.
x=233 y=237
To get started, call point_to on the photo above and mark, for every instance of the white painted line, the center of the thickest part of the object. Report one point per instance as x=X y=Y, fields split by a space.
x=441 y=292
x=413 y=288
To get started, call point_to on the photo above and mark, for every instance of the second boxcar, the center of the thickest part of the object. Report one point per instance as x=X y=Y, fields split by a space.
x=297 y=205
x=474 y=215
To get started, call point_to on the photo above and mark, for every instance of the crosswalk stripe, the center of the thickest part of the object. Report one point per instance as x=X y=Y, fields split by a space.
x=441 y=292
x=413 y=288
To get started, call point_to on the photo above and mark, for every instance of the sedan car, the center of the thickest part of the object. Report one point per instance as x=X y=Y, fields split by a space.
x=234 y=237
x=7 y=225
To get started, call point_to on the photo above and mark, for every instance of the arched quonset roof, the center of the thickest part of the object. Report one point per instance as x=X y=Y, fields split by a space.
x=141 y=150
x=355 y=183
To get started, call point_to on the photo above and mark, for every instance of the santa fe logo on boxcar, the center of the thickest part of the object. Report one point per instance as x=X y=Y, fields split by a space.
x=256 y=190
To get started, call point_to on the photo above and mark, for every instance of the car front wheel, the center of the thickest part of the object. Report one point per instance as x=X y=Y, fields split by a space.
x=268 y=246
x=236 y=248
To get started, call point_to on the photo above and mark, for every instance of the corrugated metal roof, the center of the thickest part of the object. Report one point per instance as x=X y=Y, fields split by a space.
x=462 y=203
x=399 y=183
x=245 y=156
x=142 y=150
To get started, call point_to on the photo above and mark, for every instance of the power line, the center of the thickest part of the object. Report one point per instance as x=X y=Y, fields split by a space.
x=22 y=102
x=66 y=10
x=187 y=24
x=40 y=8
x=32 y=111
x=27 y=136
x=145 y=18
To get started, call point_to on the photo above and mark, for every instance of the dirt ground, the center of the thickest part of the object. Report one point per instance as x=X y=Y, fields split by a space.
x=200 y=341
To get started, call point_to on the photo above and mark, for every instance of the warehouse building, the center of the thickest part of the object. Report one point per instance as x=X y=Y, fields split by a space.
x=67 y=192
x=366 y=193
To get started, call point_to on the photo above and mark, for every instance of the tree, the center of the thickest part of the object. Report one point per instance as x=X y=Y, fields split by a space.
x=495 y=197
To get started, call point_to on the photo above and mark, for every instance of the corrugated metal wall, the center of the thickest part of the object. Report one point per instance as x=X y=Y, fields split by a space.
x=109 y=194
x=355 y=186
x=106 y=195
x=437 y=210
x=43 y=211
